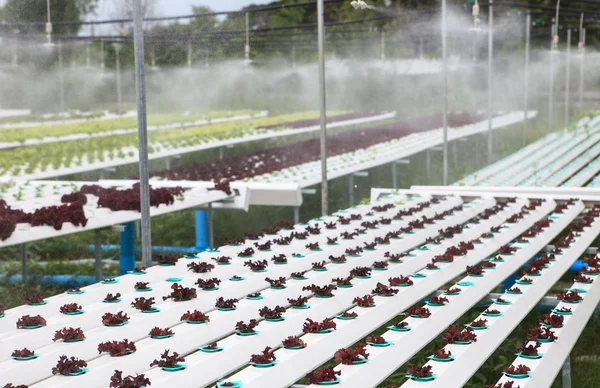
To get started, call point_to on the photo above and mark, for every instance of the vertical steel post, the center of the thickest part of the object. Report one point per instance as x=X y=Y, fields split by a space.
x=61 y=78
x=189 y=53
x=98 y=252
x=445 y=87
x=296 y=215
x=581 y=68
x=490 y=82
x=211 y=231
x=394 y=176
x=102 y=56
x=566 y=373
x=293 y=57
x=551 y=84
x=526 y=83
x=568 y=80
x=420 y=46
x=322 y=107
x=382 y=44
x=140 y=83
x=428 y=164
x=24 y=262
x=118 y=67
x=247 y=45
x=351 y=189
x=88 y=62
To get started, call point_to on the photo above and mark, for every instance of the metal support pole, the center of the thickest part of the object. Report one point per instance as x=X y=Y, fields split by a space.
x=61 y=76
x=428 y=164
x=551 y=86
x=98 y=252
x=581 y=68
x=445 y=87
x=382 y=44
x=189 y=55
x=15 y=58
x=351 y=189
x=102 y=65
x=140 y=83
x=293 y=57
x=394 y=176
x=296 y=215
x=24 y=262
x=221 y=153
x=490 y=82
x=118 y=66
x=153 y=58
x=566 y=373
x=322 y=107
x=526 y=85
x=168 y=163
x=247 y=45
x=87 y=55
x=420 y=46
x=211 y=231
x=568 y=80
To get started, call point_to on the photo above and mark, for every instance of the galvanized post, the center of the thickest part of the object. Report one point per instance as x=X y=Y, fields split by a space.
x=293 y=57
x=394 y=176
x=581 y=68
x=526 y=85
x=568 y=80
x=566 y=373
x=296 y=215
x=140 y=83
x=189 y=54
x=420 y=46
x=211 y=231
x=382 y=44
x=351 y=189
x=87 y=55
x=24 y=262
x=102 y=65
x=118 y=66
x=322 y=107
x=428 y=164
x=551 y=85
x=61 y=76
x=98 y=252
x=490 y=82
x=247 y=45
x=445 y=87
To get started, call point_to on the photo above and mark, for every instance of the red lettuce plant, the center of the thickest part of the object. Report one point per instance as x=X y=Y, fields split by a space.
x=442 y=354
x=365 y=301
x=22 y=353
x=258 y=265
x=234 y=241
x=479 y=323
x=33 y=298
x=298 y=275
x=201 y=267
x=246 y=328
x=370 y=246
x=475 y=270
x=311 y=326
x=322 y=291
x=554 y=321
x=158 y=332
x=519 y=370
x=293 y=342
x=453 y=290
x=207 y=284
x=110 y=319
x=30 y=321
x=263 y=247
x=382 y=289
x=70 y=308
x=298 y=302
x=195 y=316
x=507 y=384
x=226 y=303
x=418 y=311
x=168 y=361
x=143 y=304
x=488 y=264
x=223 y=260
x=141 y=285
x=400 y=280
x=248 y=252
x=319 y=266
x=400 y=325
x=506 y=250
x=454 y=334
x=117 y=348
x=338 y=259
x=438 y=300
x=564 y=310
x=112 y=298
x=348 y=235
x=354 y=252
x=570 y=296
x=542 y=333
x=313 y=246
x=432 y=266
x=166 y=259
x=277 y=283
x=139 y=381
x=348 y=314
x=180 y=293
x=68 y=334
x=528 y=350
x=280 y=259
x=420 y=371
x=515 y=290
x=330 y=225
x=322 y=375
x=56 y=216
x=347 y=356
x=340 y=282
x=267 y=356
x=583 y=279
x=332 y=241
x=361 y=271
x=380 y=264
x=254 y=236
x=272 y=314
x=66 y=366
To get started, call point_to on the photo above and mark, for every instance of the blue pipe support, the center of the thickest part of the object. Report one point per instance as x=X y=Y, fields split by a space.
x=202 y=242
x=127 y=249
x=49 y=280
x=182 y=250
